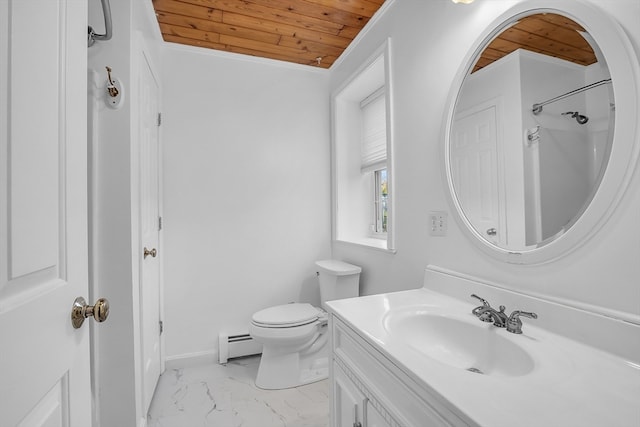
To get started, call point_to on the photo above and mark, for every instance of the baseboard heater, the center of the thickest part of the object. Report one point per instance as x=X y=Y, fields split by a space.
x=230 y=346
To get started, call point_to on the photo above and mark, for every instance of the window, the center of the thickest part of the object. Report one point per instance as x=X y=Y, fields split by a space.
x=380 y=202
x=374 y=156
x=362 y=170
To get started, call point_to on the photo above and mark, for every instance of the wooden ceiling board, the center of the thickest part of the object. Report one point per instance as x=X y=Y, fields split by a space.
x=244 y=21
x=544 y=28
x=173 y=24
x=312 y=10
x=544 y=33
x=551 y=47
x=311 y=32
x=193 y=42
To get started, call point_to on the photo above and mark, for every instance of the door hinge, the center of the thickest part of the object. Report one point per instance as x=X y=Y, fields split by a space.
x=161 y=327
x=159 y=223
x=159 y=119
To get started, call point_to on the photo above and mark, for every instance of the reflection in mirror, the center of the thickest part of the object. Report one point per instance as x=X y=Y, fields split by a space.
x=532 y=132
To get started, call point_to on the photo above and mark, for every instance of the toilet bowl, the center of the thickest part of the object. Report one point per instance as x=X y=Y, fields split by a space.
x=294 y=336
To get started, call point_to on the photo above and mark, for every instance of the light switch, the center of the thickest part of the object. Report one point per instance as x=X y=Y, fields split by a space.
x=438 y=223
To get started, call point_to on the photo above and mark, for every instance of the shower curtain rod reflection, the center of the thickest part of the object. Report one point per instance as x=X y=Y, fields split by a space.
x=537 y=108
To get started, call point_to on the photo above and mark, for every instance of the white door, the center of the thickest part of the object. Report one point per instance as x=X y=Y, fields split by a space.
x=44 y=361
x=475 y=171
x=149 y=228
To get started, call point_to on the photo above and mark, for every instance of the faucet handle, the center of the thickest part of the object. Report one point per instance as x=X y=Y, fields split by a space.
x=482 y=300
x=476 y=310
x=514 y=324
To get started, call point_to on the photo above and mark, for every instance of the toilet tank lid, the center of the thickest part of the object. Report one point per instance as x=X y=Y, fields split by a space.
x=338 y=268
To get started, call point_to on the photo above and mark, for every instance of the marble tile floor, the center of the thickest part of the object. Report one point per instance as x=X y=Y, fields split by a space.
x=226 y=396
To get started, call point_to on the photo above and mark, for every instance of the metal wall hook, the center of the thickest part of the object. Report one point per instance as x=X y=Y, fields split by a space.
x=111 y=88
x=114 y=91
x=533 y=135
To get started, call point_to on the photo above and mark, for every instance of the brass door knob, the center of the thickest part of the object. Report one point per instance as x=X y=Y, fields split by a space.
x=80 y=311
x=153 y=252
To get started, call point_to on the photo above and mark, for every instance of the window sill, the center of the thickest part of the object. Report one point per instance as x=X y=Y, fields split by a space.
x=369 y=243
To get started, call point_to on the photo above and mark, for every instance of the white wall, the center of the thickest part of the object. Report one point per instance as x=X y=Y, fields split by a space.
x=110 y=249
x=429 y=42
x=246 y=195
x=113 y=218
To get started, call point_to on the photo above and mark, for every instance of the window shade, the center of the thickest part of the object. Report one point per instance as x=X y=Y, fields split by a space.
x=374 y=132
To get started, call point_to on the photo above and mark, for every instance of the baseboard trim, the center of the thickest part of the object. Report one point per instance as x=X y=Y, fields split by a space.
x=191 y=359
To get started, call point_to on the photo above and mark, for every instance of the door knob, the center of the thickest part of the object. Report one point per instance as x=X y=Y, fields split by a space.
x=492 y=232
x=80 y=311
x=153 y=252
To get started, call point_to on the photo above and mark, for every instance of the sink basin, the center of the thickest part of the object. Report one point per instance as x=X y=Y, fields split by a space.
x=462 y=342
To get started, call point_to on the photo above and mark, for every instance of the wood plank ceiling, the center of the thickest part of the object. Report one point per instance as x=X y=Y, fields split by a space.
x=546 y=33
x=311 y=32
x=316 y=32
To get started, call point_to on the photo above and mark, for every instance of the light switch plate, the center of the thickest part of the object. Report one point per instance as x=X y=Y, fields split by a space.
x=438 y=223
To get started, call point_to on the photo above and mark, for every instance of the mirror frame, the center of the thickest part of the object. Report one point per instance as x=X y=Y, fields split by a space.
x=622 y=62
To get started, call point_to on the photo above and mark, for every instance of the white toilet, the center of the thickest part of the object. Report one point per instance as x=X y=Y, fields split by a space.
x=294 y=336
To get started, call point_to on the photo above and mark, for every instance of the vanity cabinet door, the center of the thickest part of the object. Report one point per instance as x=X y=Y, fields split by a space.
x=348 y=401
x=382 y=394
x=372 y=417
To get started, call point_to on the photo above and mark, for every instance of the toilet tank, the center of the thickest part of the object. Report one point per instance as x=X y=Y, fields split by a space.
x=337 y=280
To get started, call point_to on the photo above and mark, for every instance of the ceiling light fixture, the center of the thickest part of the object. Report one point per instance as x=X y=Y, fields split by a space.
x=462 y=1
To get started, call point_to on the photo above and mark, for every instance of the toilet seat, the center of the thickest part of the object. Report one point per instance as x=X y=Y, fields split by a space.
x=286 y=316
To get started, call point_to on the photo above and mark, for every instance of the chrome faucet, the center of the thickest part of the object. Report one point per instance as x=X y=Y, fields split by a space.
x=486 y=313
x=489 y=314
x=514 y=324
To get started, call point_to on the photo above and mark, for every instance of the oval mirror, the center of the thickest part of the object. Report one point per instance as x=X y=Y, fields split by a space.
x=531 y=132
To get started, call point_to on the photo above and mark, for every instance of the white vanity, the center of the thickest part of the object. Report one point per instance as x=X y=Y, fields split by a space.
x=420 y=358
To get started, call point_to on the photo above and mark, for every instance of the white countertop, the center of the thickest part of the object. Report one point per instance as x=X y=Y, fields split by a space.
x=571 y=384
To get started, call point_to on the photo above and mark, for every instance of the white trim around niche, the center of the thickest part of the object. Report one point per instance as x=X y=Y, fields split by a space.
x=383 y=51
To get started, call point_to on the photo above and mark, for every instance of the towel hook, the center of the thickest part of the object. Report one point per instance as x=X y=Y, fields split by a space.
x=111 y=87
x=115 y=91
